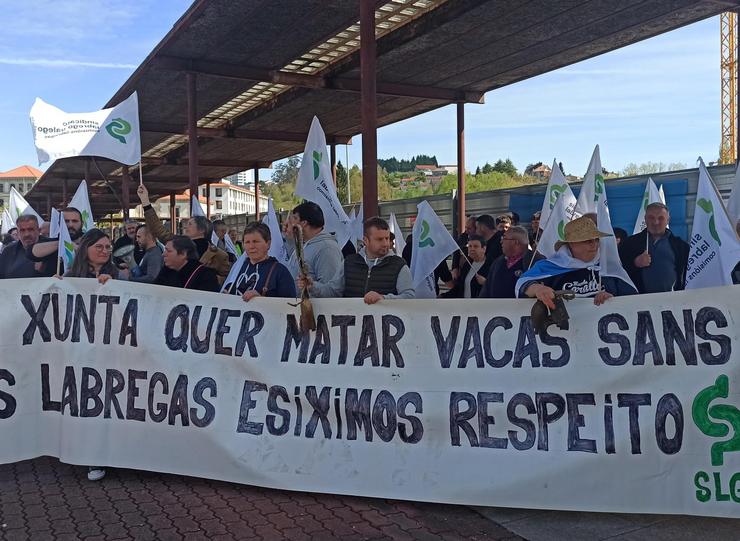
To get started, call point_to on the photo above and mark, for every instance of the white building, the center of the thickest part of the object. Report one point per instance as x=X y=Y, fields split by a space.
x=228 y=199
x=21 y=178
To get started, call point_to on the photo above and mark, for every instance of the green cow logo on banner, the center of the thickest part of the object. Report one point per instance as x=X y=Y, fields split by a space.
x=598 y=187
x=117 y=128
x=561 y=230
x=317 y=156
x=425 y=239
x=706 y=206
x=715 y=420
x=555 y=192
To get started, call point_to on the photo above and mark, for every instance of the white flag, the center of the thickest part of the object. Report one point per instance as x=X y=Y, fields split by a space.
x=733 y=204
x=344 y=235
x=661 y=194
x=277 y=244
x=81 y=201
x=651 y=195
x=111 y=133
x=230 y=246
x=592 y=188
x=715 y=248
x=8 y=222
x=609 y=262
x=234 y=273
x=553 y=229
x=555 y=186
x=432 y=244
x=18 y=206
x=66 y=248
x=54 y=223
x=315 y=181
x=197 y=208
x=400 y=241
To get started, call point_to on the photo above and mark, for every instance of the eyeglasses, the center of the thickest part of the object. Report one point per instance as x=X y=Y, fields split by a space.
x=99 y=248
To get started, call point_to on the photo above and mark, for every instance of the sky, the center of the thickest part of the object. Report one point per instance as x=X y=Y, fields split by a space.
x=657 y=100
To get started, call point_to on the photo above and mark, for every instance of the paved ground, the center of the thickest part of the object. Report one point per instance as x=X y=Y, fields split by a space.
x=43 y=499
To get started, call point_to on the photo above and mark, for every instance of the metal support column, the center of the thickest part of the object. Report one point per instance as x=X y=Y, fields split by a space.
x=257 y=193
x=173 y=214
x=333 y=158
x=48 y=206
x=369 y=107
x=125 y=184
x=736 y=97
x=208 y=199
x=192 y=137
x=460 y=168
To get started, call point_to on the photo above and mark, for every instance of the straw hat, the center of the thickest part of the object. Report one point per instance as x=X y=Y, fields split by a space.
x=580 y=229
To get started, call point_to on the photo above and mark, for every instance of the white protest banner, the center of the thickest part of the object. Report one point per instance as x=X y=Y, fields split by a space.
x=112 y=133
x=277 y=243
x=432 y=243
x=8 y=222
x=555 y=186
x=81 y=201
x=400 y=239
x=651 y=195
x=553 y=230
x=633 y=409
x=733 y=204
x=18 y=206
x=315 y=181
x=593 y=186
x=714 y=247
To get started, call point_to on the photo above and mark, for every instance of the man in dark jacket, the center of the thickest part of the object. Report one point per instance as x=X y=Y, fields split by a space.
x=376 y=273
x=655 y=258
x=507 y=268
x=182 y=268
x=471 y=278
x=14 y=261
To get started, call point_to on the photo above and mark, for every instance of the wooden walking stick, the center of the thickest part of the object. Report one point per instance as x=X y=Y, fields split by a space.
x=308 y=320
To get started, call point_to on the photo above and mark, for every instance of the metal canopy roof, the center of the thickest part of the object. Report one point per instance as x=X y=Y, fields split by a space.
x=265 y=68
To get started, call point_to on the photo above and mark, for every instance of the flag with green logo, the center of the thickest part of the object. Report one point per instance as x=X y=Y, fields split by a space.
x=592 y=188
x=432 y=243
x=81 y=201
x=714 y=247
x=555 y=187
x=553 y=230
x=111 y=133
x=18 y=206
x=315 y=182
x=651 y=195
x=66 y=248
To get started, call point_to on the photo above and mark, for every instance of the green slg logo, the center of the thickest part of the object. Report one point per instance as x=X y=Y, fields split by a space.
x=707 y=207
x=117 y=128
x=645 y=199
x=598 y=187
x=555 y=192
x=69 y=251
x=425 y=239
x=705 y=415
x=561 y=230
x=85 y=218
x=317 y=156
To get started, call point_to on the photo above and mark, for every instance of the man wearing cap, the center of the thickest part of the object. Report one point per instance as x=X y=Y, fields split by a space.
x=574 y=268
x=655 y=258
x=534 y=228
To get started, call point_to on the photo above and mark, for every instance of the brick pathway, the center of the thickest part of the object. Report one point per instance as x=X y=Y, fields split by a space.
x=44 y=499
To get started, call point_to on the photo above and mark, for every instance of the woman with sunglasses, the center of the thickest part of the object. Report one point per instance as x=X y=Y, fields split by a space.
x=256 y=273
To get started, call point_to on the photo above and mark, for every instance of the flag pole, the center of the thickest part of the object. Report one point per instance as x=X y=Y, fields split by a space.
x=141 y=175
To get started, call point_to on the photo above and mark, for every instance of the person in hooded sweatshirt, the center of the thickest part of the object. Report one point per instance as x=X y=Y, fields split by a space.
x=321 y=253
x=574 y=268
x=256 y=273
x=376 y=273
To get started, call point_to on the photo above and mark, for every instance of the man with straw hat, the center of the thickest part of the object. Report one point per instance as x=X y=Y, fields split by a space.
x=574 y=268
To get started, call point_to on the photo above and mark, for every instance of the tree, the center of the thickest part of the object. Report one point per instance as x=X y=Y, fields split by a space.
x=342 y=179
x=477 y=171
x=649 y=168
x=506 y=167
x=487 y=169
x=286 y=171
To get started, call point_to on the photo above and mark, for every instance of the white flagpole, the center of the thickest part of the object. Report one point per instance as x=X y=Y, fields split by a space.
x=141 y=175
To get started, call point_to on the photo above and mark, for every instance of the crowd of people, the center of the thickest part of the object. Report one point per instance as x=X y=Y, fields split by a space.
x=498 y=258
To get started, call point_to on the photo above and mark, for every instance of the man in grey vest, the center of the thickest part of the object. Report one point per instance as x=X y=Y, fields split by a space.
x=376 y=273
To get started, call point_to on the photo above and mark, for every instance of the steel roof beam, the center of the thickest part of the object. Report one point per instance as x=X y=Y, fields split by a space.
x=249 y=73
x=246 y=164
x=239 y=133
